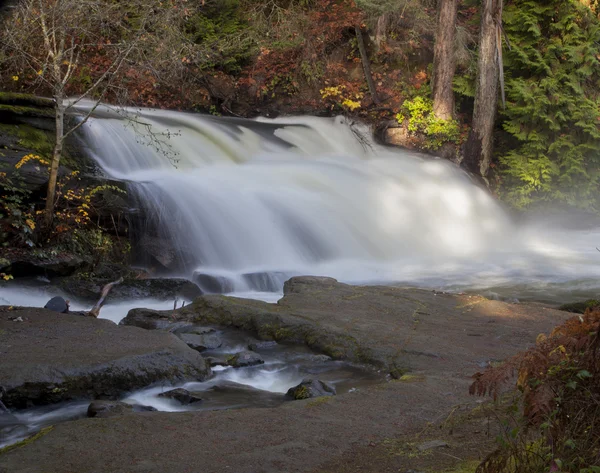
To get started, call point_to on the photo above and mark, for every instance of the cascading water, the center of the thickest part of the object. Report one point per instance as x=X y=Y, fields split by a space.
x=244 y=204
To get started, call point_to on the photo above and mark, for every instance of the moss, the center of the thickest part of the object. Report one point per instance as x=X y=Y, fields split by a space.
x=319 y=401
x=580 y=307
x=13 y=98
x=27 y=441
x=301 y=393
x=30 y=138
x=22 y=110
x=411 y=378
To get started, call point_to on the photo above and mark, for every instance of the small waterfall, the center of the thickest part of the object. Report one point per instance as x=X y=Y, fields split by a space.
x=244 y=204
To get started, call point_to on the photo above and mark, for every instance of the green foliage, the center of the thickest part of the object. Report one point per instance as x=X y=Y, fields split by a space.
x=553 y=91
x=421 y=119
x=220 y=30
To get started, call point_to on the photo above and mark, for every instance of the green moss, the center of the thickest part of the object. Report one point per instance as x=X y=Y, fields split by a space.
x=22 y=110
x=301 y=393
x=319 y=401
x=31 y=138
x=27 y=441
x=411 y=378
x=13 y=98
x=580 y=307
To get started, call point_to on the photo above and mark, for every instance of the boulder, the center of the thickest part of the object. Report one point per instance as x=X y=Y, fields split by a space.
x=311 y=388
x=131 y=288
x=213 y=284
x=58 y=357
x=299 y=284
x=102 y=409
x=57 y=304
x=209 y=341
x=245 y=358
x=193 y=329
x=181 y=395
x=30 y=265
x=147 y=319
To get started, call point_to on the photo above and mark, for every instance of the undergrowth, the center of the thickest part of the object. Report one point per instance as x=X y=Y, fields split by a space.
x=554 y=426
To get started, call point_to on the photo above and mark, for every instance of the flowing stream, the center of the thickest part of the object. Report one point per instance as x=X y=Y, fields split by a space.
x=242 y=205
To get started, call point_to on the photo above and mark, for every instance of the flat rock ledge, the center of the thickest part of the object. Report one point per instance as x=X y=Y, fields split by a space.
x=50 y=357
x=444 y=339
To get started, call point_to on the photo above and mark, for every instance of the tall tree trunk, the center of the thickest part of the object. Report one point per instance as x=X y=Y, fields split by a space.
x=380 y=30
x=443 y=60
x=58 y=145
x=366 y=64
x=479 y=146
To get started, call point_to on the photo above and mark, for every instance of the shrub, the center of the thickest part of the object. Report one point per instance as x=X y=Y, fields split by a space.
x=560 y=384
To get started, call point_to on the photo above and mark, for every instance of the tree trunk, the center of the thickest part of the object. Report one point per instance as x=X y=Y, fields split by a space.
x=443 y=60
x=479 y=146
x=51 y=194
x=366 y=64
x=381 y=30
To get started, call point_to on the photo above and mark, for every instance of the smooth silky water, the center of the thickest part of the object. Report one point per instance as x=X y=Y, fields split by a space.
x=251 y=202
x=246 y=204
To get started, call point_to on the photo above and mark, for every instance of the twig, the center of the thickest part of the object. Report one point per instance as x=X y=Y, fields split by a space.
x=95 y=312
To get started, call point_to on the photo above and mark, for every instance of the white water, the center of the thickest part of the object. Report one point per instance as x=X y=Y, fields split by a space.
x=253 y=202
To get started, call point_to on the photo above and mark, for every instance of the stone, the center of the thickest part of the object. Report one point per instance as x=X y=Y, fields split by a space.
x=140 y=408
x=263 y=345
x=181 y=395
x=103 y=409
x=57 y=304
x=147 y=319
x=204 y=342
x=299 y=284
x=60 y=357
x=216 y=361
x=213 y=284
x=245 y=358
x=194 y=329
x=309 y=388
x=432 y=444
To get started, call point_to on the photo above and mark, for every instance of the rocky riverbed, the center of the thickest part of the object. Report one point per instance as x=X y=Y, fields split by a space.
x=429 y=344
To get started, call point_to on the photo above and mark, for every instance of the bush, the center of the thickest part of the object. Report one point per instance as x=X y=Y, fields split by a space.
x=560 y=384
x=421 y=119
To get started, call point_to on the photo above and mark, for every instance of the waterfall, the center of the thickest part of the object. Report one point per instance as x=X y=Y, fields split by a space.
x=244 y=204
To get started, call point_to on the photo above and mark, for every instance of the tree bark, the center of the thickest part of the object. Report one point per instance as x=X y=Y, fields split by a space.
x=381 y=30
x=443 y=60
x=479 y=146
x=366 y=64
x=59 y=108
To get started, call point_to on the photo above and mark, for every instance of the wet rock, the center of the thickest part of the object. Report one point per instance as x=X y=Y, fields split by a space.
x=29 y=265
x=147 y=319
x=263 y=345
x=271 y=281
x=58 y=357
x=89 y=288
x=432 y=444
x=245 y=358
x=299 y=284
x=103 y=409
x=216 y=361
x=213 y=284
x=194 y=329
x=57 y=304
x=181 y=395
x=160 y=250
x=204 y=342
x=140 y=408
x=311 y=388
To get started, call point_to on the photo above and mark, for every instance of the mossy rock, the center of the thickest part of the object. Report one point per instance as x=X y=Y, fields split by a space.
x=580 y=307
